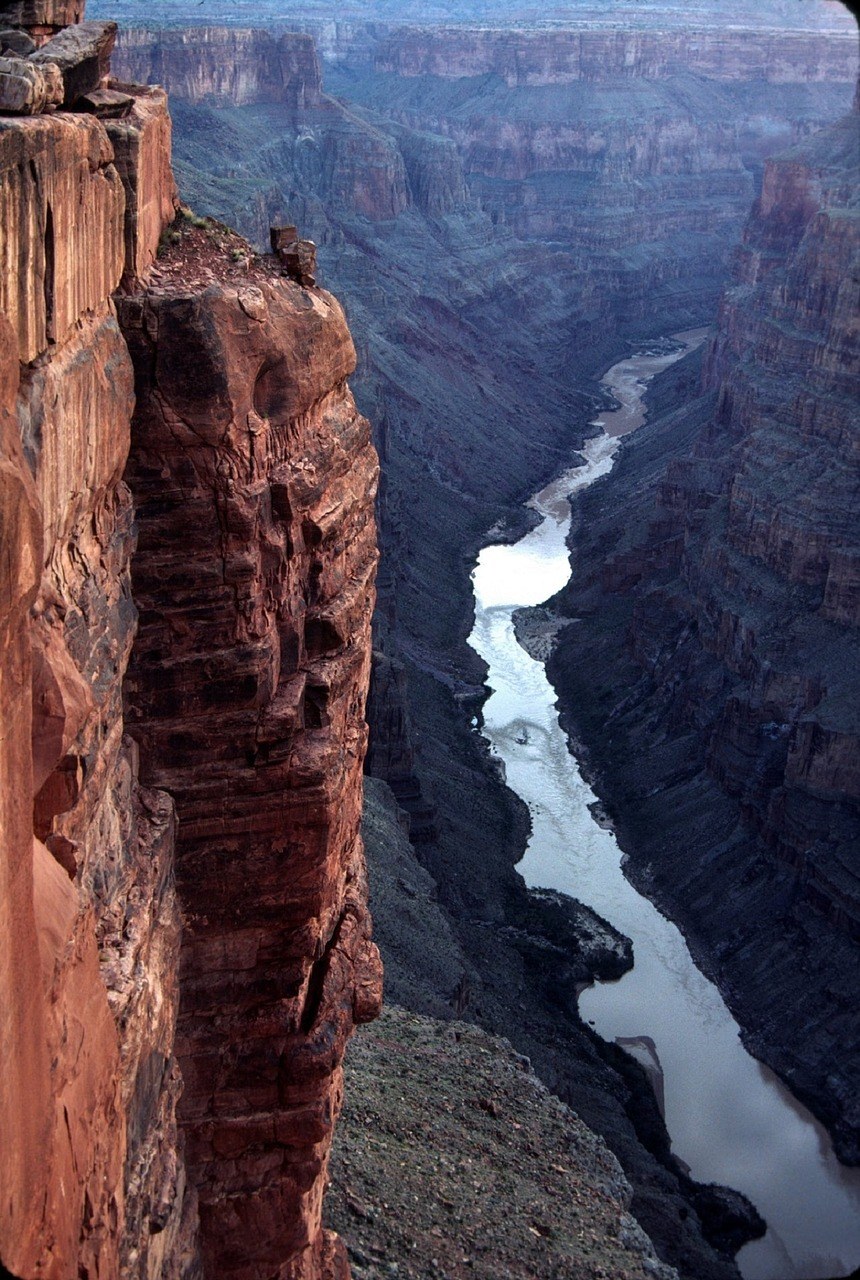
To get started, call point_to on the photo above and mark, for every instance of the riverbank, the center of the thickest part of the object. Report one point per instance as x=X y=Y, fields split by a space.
x=509 y=978
x=465 y=953
x=719 y=1089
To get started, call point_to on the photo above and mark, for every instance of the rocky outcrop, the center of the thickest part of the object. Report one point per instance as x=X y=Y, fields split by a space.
x=81 y=53
x=254 y=479
x=731 y=598
x=467 y=1107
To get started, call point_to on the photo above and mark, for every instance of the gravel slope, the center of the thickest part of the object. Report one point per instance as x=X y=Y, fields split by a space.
x=451 y=1159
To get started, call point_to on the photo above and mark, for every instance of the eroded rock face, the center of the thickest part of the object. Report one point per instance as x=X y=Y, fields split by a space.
x=82 y=55
x=57 y=264
x=26 y=89
x=224 y=65
x=268 y=683
x=92 y=1176
x=550 y=57
x=42 y=18
x=141 y=142
x=254 y=477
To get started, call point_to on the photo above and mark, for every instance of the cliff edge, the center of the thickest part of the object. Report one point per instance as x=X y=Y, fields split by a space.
x=234 y=509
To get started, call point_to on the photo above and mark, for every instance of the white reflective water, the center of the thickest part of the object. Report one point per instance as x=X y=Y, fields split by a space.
x=730 y=1119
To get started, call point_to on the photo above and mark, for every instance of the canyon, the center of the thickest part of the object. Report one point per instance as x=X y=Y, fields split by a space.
x=562 y=189
x=189 y=574
x=736 y=556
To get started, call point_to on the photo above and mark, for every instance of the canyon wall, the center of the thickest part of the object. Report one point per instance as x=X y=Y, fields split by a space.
x=234 y=508
x=553 y=57
x=92 y=1183
x=229 y=67
x=448 y=208
x=729 y=756
x=254 y=477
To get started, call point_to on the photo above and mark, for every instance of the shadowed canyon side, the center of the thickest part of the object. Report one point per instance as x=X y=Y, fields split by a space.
x=242 y=490
x=727 y=617
x=557 y=187
x=460 y=181
x=254 y=477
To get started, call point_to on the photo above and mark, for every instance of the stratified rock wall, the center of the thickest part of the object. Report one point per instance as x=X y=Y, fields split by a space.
x=92 y=1181
x=257 y=478
x=552 y=57
x=254 y=477
x=729 y=615
x=223 y=65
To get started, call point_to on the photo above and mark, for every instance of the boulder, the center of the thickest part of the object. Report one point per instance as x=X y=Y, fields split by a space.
x=107 y=104
x=17 y=42
x=28 y=90
x=297 y=257
x=82 y=53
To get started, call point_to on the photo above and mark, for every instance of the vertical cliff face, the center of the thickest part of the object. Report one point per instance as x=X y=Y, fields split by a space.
x=226 y=66
x=255 y=479
x=91 y=1182
x=733 y=600
x=591 y=184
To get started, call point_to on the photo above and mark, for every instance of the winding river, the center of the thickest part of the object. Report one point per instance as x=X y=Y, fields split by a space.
x=730 y=1119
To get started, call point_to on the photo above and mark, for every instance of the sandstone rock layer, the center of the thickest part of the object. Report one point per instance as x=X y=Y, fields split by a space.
x=92 y=1181
x=254 y=478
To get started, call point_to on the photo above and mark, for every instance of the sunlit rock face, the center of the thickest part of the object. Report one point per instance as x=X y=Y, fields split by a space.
x=92 y=1181
x=739 y=560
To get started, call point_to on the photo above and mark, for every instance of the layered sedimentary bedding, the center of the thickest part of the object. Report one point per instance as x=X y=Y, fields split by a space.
x=251 y=560
x=723 y=723
x=92 y=1182
x=243 y=491
x=254 y=477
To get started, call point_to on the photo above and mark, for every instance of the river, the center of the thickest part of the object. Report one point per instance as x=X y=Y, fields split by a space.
x=730 y=1118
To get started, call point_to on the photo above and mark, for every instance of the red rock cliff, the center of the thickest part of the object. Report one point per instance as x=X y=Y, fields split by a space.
x=255 y=581
x=254 y=477
x=90 y=1180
